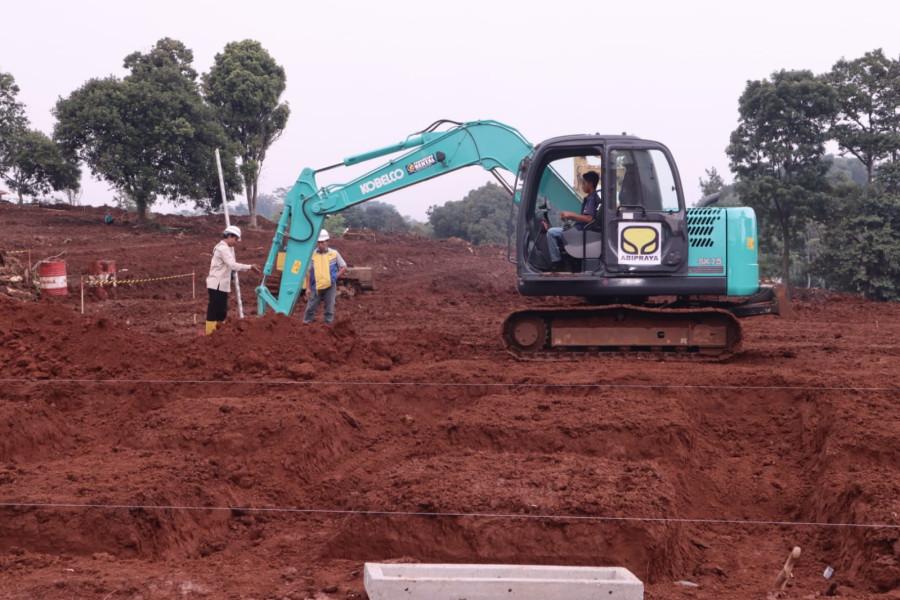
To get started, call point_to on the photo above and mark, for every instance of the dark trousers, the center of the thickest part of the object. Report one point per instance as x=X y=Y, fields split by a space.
x=327 y=296
x=217 y=309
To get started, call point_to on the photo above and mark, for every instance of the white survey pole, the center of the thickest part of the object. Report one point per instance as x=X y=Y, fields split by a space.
x=237 y=283
x=222 y=187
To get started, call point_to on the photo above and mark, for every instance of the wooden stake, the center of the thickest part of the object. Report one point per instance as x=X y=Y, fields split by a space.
x=785 y=575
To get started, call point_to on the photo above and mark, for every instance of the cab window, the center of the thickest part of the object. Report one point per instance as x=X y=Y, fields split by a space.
x=644 y=178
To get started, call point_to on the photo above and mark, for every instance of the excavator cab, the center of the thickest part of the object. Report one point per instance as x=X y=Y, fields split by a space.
x=639 y=229
x=635 y=249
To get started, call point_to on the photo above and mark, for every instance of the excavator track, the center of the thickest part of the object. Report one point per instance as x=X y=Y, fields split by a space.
x=548 y=333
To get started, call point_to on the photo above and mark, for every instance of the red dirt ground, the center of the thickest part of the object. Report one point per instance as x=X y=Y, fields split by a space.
x=140 y=459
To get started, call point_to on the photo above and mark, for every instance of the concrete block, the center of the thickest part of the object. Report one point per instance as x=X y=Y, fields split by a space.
x=411 y=581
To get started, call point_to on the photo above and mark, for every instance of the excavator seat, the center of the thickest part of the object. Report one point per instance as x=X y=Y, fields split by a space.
x=582 y=243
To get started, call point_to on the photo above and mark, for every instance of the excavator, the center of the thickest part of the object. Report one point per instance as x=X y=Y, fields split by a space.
x=654 y=274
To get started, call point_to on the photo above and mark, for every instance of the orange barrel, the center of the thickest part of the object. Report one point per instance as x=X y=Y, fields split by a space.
x=52 y=276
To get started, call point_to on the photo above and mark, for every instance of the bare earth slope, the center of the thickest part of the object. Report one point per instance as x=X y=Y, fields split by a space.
x=140 y=459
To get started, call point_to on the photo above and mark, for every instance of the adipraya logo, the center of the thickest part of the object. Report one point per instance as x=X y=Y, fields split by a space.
x=639 y=240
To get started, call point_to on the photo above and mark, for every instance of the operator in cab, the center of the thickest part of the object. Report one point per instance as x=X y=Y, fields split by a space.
x=589 y=182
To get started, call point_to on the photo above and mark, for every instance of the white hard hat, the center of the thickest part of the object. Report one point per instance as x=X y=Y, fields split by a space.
x=233 y=230
x=323 y=237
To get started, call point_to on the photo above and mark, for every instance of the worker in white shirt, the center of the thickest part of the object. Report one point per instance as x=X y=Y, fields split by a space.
x=218 y=283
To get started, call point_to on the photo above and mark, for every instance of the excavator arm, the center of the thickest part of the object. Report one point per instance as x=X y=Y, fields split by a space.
x=429 y=154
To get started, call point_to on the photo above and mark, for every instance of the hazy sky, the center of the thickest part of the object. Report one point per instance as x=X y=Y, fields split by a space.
x=364 y=74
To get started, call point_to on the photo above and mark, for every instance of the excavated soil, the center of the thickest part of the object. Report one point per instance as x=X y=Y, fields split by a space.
x=141 y=459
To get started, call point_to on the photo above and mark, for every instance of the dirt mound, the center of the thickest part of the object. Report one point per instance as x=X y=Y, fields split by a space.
x=140 y=458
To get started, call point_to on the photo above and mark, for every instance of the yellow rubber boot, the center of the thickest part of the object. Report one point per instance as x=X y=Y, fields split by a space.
x=210 y=327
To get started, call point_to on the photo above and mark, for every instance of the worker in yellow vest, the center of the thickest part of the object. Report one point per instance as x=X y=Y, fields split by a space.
x=321 y=279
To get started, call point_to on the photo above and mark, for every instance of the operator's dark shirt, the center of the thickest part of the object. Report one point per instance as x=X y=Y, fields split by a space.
x=589 y=207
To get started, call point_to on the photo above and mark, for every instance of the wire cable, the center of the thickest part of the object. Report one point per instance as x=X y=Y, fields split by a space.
x=492 y=384
x=475 y=515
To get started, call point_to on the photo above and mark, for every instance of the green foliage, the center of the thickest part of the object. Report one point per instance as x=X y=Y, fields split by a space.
x=375 y=215
x=861 y=252
x=846 y=170
x=244 y=87
x=239 y=209
x=712 y=184
x=13 y=122
x=419 y=228
x=887 y=175
x=868 y=100
x=270 y=205
x=12 y=112
x=125 y=203
x=841 y=230
x=728 y=196
x=777 y=154
x=37 y=165
x=335 y=225
x=482 y=217
x=149 y=134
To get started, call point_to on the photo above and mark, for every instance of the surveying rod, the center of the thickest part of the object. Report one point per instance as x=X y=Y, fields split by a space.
x=237 y=283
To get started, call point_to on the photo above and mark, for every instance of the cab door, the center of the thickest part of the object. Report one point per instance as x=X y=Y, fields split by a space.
x=646 y=227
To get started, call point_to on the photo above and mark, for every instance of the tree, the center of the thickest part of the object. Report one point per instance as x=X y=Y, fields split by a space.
x=846 y=170
x=244 y=86
x=335 y=225
x=712 y=184
x=12 y=119
x=73 y=195
x=482 y=217
x=777 y=154
x=30 y=162
x=861 y=252
x=867 y=122
x=37 y=166
x=375 y=215
x=887 y=175
x=270 y=205
x=149 y=134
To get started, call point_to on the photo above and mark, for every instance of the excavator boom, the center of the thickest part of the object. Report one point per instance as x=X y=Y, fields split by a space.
x=428 y=154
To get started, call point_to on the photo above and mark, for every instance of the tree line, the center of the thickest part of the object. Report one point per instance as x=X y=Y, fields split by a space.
x=832 y=219
x=154 y=133
x=30 y=162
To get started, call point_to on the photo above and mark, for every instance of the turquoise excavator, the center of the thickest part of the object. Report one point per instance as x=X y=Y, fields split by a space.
x=657 y=275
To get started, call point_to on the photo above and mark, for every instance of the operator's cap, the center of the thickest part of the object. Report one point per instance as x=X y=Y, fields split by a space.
x=233 y=230
x=323 y=237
